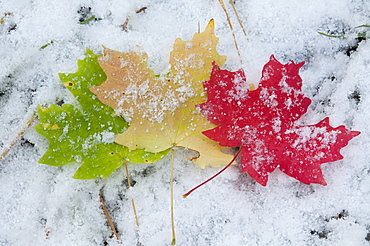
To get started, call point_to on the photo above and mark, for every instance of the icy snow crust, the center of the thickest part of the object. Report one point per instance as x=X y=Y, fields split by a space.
x=43 y=205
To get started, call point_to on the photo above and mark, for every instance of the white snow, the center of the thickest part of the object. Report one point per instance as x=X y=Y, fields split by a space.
x=43 y=205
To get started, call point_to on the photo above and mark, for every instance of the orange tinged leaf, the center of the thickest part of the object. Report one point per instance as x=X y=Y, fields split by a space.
x=161 y=109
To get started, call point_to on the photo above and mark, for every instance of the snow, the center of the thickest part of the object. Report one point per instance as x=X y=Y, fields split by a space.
x=43 y=205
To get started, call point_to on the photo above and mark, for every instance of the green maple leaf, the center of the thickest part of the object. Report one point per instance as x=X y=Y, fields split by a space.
x=86 y=134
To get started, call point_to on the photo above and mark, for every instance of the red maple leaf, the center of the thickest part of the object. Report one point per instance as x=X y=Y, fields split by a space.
x=264 y=123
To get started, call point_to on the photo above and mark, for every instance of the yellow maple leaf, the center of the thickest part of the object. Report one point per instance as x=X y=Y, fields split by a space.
x=162 y=110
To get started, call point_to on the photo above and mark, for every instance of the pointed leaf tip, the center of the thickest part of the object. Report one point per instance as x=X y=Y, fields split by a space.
x=211 y=23
x=355 y=133
x=301 y=64
x=272 y=58
x=291 y=62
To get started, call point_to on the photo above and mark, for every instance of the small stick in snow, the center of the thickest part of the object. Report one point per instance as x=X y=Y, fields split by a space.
x=28 y=124
x=141 y=10
x=124 y=25
x=237 y=16
x=231 y=28
x=2 y=20
x=132 y=200
x=108 y=216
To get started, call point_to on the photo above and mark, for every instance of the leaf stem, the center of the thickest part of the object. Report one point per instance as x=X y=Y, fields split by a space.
x=173 y=242
x=28 y=124
x=132 y=200
x=214 y=176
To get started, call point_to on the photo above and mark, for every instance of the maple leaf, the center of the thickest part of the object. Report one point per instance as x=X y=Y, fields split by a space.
x=161 y=109
x=86 y=136
x=264 y=123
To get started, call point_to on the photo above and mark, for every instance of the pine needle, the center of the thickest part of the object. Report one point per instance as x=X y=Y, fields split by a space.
x=332 y=36
x=87 y=20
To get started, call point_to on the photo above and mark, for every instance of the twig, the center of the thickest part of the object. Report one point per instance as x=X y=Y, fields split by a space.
x=108 y=216
x=231 y=28
x=3 y=18
x=237 y=16
x=125 y=24
x=132 y=200
x=28 y=124
x=141 y=10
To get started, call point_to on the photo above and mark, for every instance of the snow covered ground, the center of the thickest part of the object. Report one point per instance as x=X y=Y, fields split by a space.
x=43 y=205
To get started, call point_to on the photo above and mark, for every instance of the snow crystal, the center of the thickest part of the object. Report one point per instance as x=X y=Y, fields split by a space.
x=107 y=137
x=309 y=133
x=188 y=45
x=269 y=99
x=241 y=88
x=276 y=125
